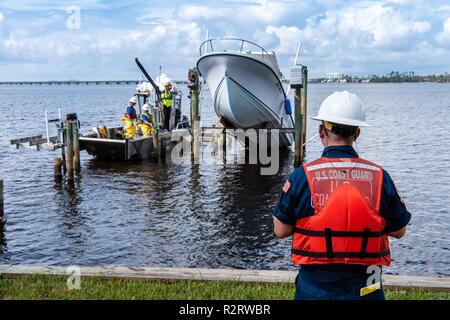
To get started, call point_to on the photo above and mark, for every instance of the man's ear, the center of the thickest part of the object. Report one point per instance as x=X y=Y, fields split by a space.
x=358 y=132
x=321 y=131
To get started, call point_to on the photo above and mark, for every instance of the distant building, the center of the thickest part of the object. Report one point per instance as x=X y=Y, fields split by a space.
x=334 y=76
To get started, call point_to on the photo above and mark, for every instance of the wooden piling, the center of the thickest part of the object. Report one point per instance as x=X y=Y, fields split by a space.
x=195 y=142
x=194 y=87
x=2 y=212
x=163 y=148
x=303 y=106
x=300 y=98
x=194 y=106
x=63 y=148
x=57 y=166
x=155 y=140
x=76 y=148
x=69 y=149
x=298 y=128
x=223 y=142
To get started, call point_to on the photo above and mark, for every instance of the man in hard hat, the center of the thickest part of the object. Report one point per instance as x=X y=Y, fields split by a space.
x=146 y=124
x=166 y=97
x=129 y=119
x=131 y=111
x=340 y=210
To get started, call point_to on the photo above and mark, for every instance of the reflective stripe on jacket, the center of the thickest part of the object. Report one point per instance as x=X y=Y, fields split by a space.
x=166 y=97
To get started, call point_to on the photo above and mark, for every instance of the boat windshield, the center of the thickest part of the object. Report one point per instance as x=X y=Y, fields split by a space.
x=237 y=45
x=232 y=45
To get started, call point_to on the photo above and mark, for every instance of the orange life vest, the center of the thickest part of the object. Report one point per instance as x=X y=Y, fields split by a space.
x=346 y=226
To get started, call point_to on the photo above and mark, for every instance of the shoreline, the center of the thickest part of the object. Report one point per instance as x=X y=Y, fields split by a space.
x=433 y=283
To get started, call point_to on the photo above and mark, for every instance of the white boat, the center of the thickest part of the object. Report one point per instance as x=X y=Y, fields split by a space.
x=245 y=82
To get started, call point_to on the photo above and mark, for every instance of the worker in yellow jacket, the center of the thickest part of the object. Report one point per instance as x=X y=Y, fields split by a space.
x=166 y=97
x=129 y=129
x=146 y=124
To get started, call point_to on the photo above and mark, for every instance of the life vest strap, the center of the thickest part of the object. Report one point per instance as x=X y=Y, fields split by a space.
x=329 y=243
x=365 y=239
x=341 y=254
x=357 y=234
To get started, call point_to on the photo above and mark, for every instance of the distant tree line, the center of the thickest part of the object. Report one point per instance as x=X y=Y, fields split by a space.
x=393 y=76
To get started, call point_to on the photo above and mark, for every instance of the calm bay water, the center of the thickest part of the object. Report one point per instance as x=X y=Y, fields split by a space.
x=145 y=214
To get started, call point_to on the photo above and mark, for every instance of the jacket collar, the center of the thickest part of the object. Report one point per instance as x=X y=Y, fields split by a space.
x=339 y=152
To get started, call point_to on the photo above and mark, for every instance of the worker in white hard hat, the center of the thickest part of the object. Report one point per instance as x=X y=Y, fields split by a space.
x=146 y=124
x=340 y=210
x=129 y=119
x=131 y=111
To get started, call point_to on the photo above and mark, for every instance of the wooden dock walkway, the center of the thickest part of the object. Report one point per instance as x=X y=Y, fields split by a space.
x=437 y=283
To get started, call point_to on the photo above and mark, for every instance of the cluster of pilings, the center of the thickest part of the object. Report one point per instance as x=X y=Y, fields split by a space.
x=69 y=162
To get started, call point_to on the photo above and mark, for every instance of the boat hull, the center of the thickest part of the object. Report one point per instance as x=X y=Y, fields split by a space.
x=247 y=93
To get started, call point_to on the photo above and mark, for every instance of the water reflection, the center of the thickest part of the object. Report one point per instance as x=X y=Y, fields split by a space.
x=67 y=195
x=210 y=215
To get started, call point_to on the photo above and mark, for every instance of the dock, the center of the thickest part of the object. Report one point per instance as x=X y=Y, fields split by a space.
x=435 y=283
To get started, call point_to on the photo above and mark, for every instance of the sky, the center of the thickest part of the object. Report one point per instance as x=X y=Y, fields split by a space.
x=98 y=40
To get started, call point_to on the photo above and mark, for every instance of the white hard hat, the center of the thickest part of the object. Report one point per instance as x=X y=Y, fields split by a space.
x=343 y=107
x=133 y=99
x=145 y=107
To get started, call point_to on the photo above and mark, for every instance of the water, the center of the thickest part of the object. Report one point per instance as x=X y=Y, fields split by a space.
x=144 y=214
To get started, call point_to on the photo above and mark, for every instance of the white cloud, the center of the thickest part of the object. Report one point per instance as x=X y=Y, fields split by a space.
x=444 y=8
x=398 y=1
x=443 y=37
x=288 y=37
x=352 y=28
x=170 y=45
x=385 y=25
x=254 y=12
x=45 y=5
x=365 y=37
x=66 y=44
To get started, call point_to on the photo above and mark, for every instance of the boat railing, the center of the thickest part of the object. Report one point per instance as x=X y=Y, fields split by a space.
x=209 y=46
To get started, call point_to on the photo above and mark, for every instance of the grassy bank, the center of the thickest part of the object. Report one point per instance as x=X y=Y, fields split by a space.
x=54 y=287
